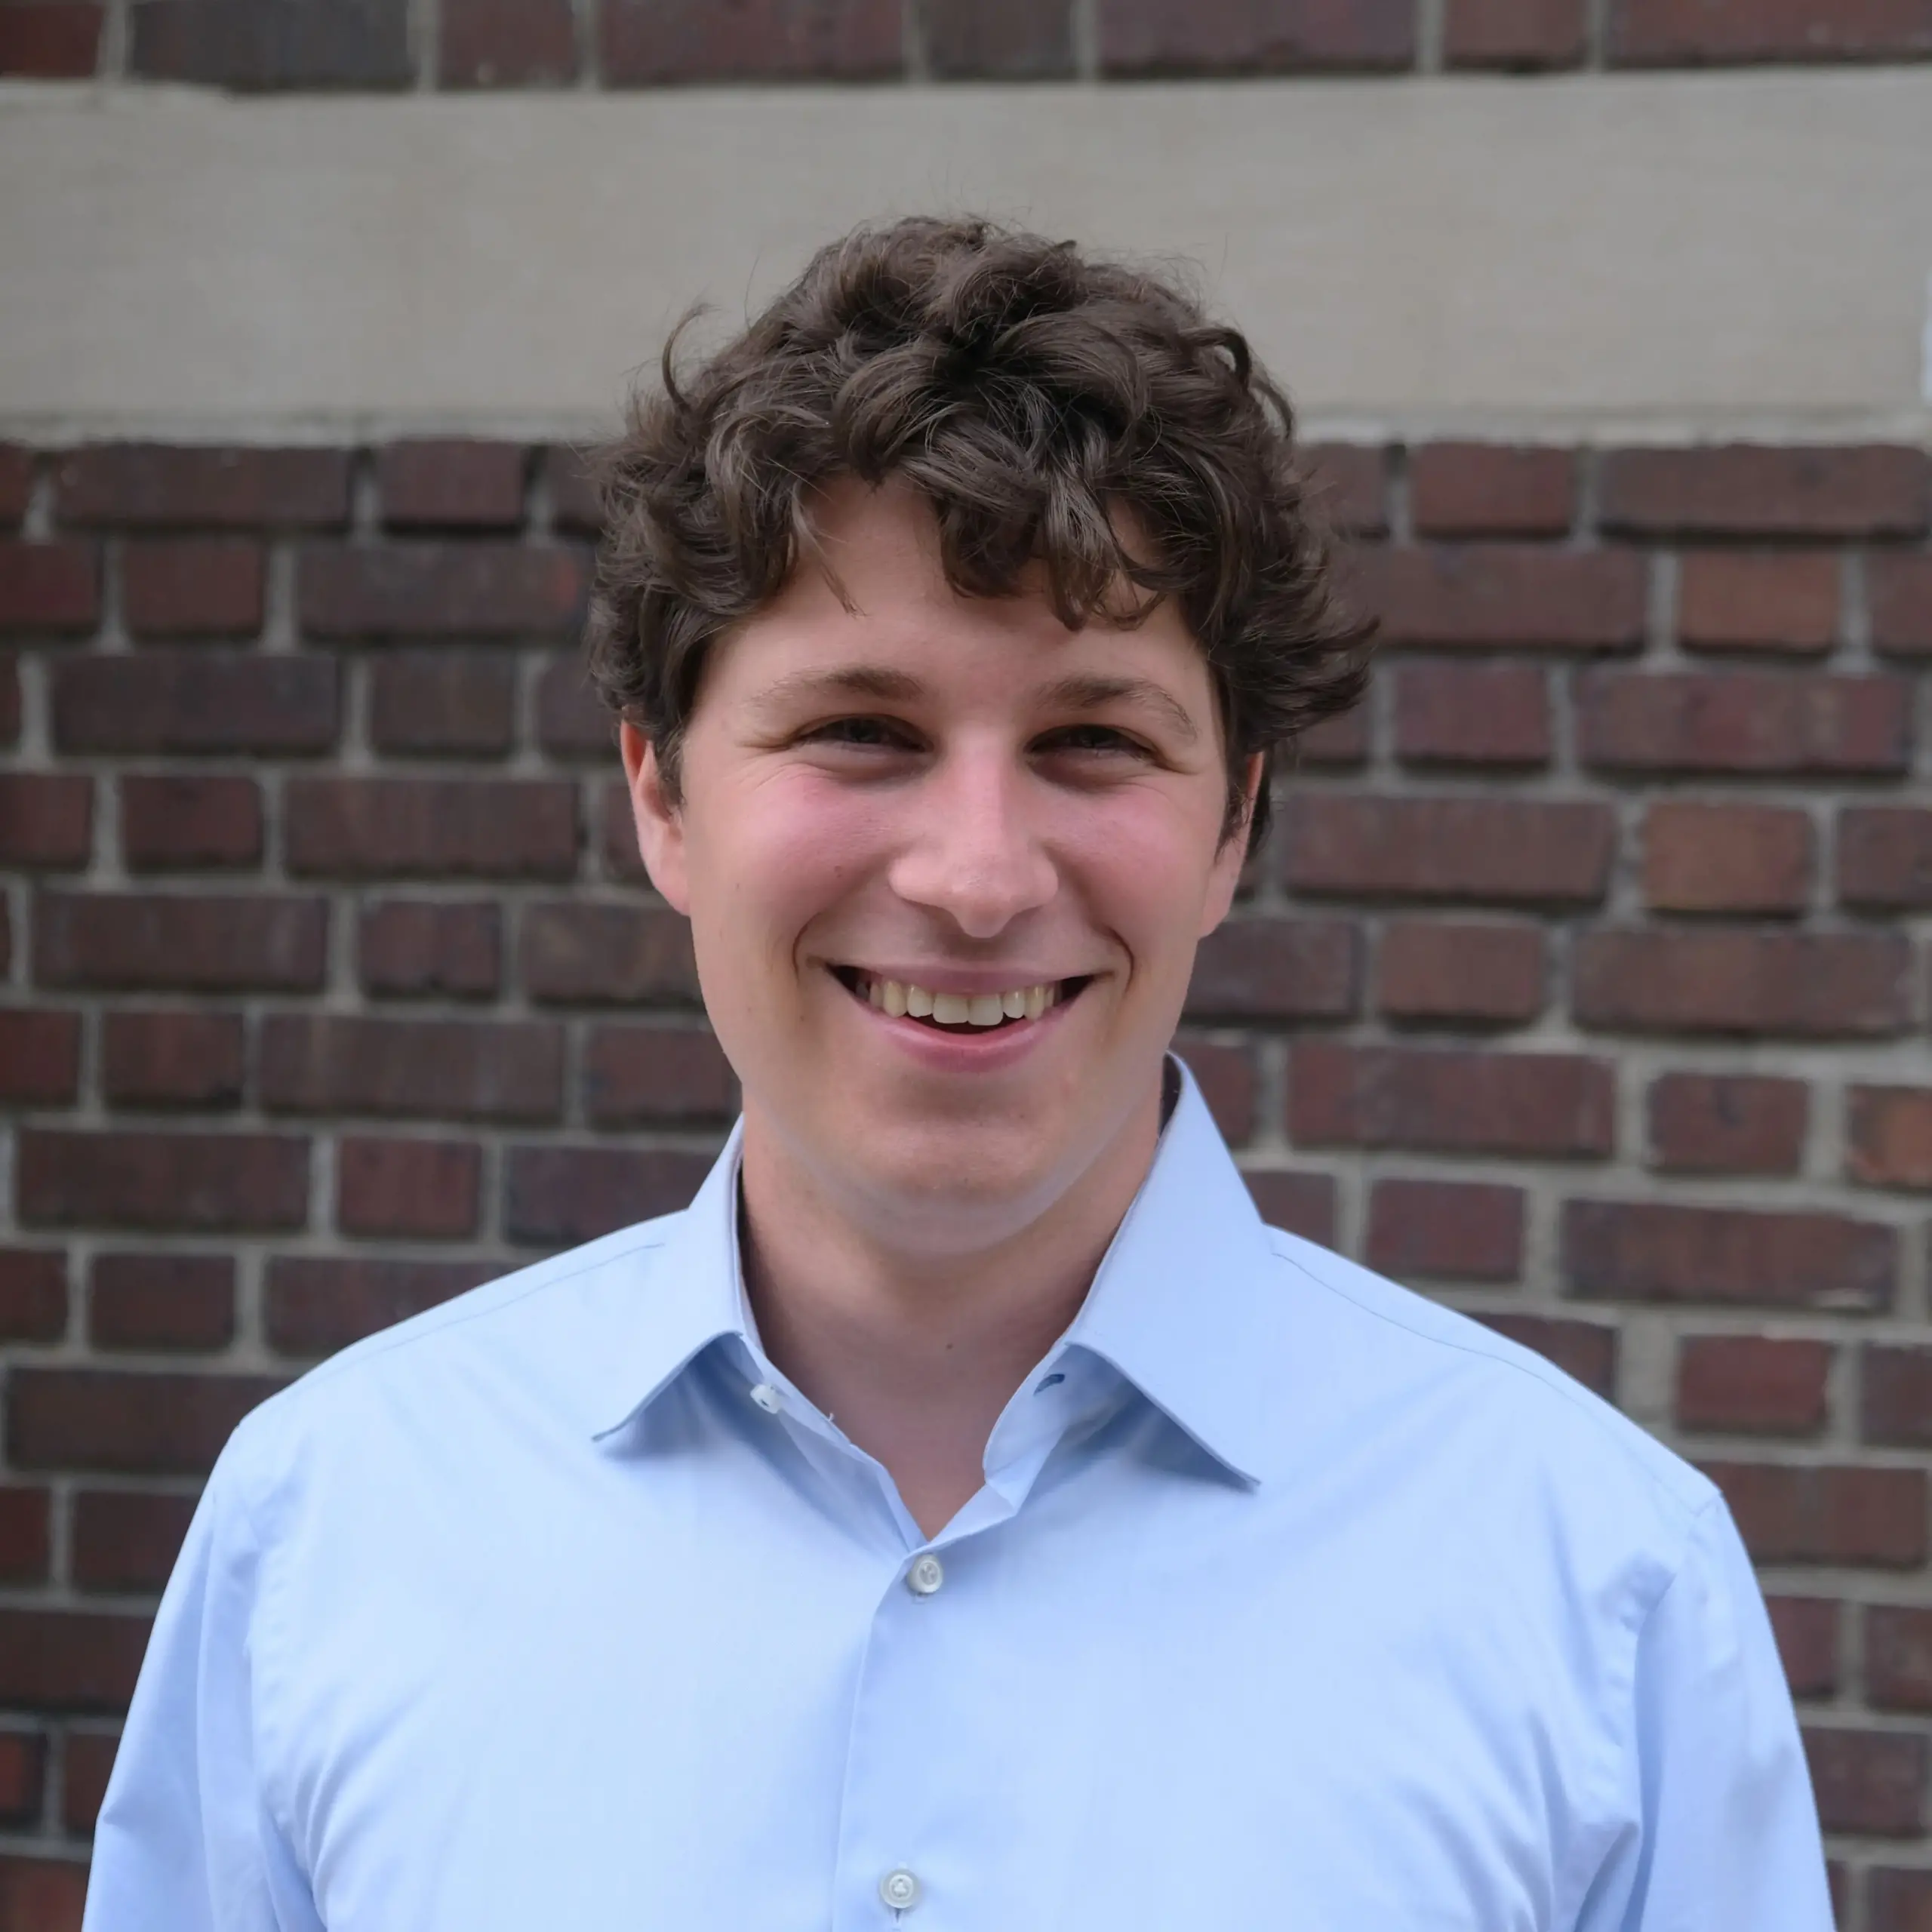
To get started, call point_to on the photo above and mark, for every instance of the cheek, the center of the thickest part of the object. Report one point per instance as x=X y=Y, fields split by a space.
x=1140 y=863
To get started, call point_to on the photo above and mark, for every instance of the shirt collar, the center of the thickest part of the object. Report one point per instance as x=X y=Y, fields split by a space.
x=1177 y=1306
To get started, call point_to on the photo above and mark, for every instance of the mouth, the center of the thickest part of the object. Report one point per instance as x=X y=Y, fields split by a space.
x=960 y=1013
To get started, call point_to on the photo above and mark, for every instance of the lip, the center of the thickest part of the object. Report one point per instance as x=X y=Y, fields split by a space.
x=985 y=1050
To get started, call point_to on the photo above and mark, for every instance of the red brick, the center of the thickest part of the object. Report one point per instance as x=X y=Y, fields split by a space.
x=1341 y=739
x=1274 y=968
x=1899 y=592
x=435 y=828
x=1888 y=1135
x=1752 y=1383
x=9 y=698
x=317 y=1063
x=425 y=1189
x=1303 y=1203
x=1472 y=713
x=571 y=953
x=23 y=1768
x=155 y=485
x=1506 y=851
x=41 y=1894
x=556 y=1196
x=1488 y=596
x=1227 y=1078
x=1660 y=1251
x=1806 y=1630
x=1243 y=37
x=1895 y=1386
x=16 y=482
x=161 y=1301
x=6 y=935
x=1446 y=1230
x=1783 y=600
x=506 y=43
x=1460 y=971
x=40 y=1055
x=190 y=943
x=1869 y=1781
x=1586 y=1351
x=26 y=1519
x=1541 y=1105
x=1702 y=857
x=85 y=1766
x=230 y=1182
x=569 y=482
x=313 y=1306
x=1684 y=33
x=46 y=820
x=651 y=43
x=68 y=1659
x=303 y=43
x=1789 y=1512
x=54 y=40
x=1813 y=985
x=1884 y=855
x=451 y=482
x=1491 y=489
x=494 y=589
x=1727 y=1123
x=179 y=823
x=49 y=586
x=1753 y=490
x=1898 y=1657
x=137 y=1421
x=433 y=703
x=1347 y=485
x=1897 y=1899
x=198 y=701
x=430 y=948
x=1518 y=34
x=1007 y=40
x=572 y=722
x=127 y=1540
x=617 y=836
x=639 y=1073
x=195 y=586
x=33 y=1294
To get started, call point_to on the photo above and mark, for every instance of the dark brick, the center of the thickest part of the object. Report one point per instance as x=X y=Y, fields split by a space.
x=1660 y=1251
x=189 y=943
x=197 y=701
x=1521 y=34
x=1303 y=1203
x=53 y=40
x=1446 y=1230
x=1339 y=739
x=483 y=588
x=229 y=1182
x=1899 y=594
x=1472 y=713
x=1491 y=489
x=313 y=1306
x=1442 y=970
x=33 y=1294
x=9 y=698
x=571 y=954
x=1898 y=1657
x=23 y=1756
x=451 y=482
x=1688 y=33
x=1754 y=490
x=161 y=1301
x=16 y=482
x=511 y=1070
x=193 y=586
x=139 y=1422
x=1897 y=1899
x=435 y=828
x=654 y=43
x=1241 y=37
x=616 y=840
x=1265 y=968
x=51 y=587
x=1586 y=1351
x=506 y=43
x=424 y=1189
x=569 y=479
x=1895 y=1388
x=1707 y=858
x=1782 y=601
x=1815 y=986
x=1227 y=1079
x=556 y=1196
x=171 y=1059
x=40 y=1056
x=68 y=1659
x=153 y=485
x=1348 y=485
x=1540 y=1106
x=1006 y=40
x=260 y=45
x=438 y=704
x=25 y=1520
x=1789 y=1512
x=571 y=720
x=1806 y=1630
x=1752 y=1383
x=1888 y=1135
x=1727 y=1123
x=84 y=1769
x=1485 y=596
x=1869 y=1781
x=42 y=1894
x=643 y=1072
x=428 y=949
x=46 y=820
x=1884 y=854
x=178 y=823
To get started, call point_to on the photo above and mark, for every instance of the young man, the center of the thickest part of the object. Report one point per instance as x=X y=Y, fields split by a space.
x=966 y=1513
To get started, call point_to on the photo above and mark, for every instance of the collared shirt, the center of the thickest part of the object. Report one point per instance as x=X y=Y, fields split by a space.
x=1291 y=1600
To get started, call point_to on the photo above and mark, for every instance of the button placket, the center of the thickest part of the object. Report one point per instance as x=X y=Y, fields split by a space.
x=926 y=1576
x=899 y=1890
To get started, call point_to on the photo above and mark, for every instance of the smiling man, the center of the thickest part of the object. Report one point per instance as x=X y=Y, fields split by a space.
x=966 y=1513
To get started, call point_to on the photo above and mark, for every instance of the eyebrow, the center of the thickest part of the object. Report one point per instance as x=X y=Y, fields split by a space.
x=873 y=681
x=1094 y=690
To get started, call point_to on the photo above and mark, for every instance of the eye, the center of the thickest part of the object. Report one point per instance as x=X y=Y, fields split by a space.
x=1091 y=738
x=862 y=734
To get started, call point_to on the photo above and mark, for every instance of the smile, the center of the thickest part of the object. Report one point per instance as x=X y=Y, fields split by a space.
x=954 y=1012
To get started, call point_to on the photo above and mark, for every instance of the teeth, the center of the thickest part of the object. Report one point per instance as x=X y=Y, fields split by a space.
x=952 y=1009
x=895 y=998
x=899 y=998
x=918 y=1003
x=1014 y=1004
x=985 y=1009
x=1038 y=998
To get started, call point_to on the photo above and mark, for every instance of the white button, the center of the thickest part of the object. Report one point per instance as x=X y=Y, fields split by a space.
x=766 y=1397
x=925 y=1575
x=899 y=1889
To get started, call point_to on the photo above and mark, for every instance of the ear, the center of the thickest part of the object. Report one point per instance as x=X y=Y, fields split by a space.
x=660 y=828
x=1225 y=875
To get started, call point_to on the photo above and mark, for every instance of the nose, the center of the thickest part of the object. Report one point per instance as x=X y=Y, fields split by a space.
x=971 y=849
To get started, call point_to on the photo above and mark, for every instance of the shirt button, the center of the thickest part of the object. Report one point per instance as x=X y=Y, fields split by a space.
x=766 y=1397
x=899 y=1889
x=923 y=1578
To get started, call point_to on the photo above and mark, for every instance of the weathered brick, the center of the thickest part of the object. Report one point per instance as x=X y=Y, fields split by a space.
x=439 y=704
x=1494 y=595
x=23 y=1753
x=1898 y=1657
x=1792 y=1512
x=9 y=698
x=1446 y=1230
x=16 y=482
x=1898 y=1898
x=1869 y=1781
x=639 y=1073
x=1462 y=971
x=33 y=1294
x=53 y=587
x=435 y=828
x=653 y=43
x=569 y=482
x=318 y=1062
x=127 y=1540
x=1707 y=858
x=1348 y=486
x=429 y=949
x=1303 y=1203
x=1340 y=739
x=1727 y=1123
x=1661 y=1251
x=161 y=1301
x=1522 y=35
x=617 y=836
x=1762 y=490
x=1540 y=1106
x=1898 y=594
x=1884 y=858
x=171 y=1059
x=1888 y=1135
x=1493 y=489
x=259 y=45
x=1787 y=600
x=1753 y=1383
x=1151 y=37
x=178 y=822
x=69 y=1660
x=84 y=1769
x=1817 y=986
x=1006 y=40
x=424 y=1189
x=1228 y=1081
x=569 y=953
x=313 y=1306
x=54 y=40
x=1806 y=1630
x=193 y=586
x=153 y=485
x=188 y=942
x=506 y=43
x=139 y=1421
x=1274 y=968
x=42 y=1894
x=1684 y=33
x=483 y=588
x=555 y=1197
x=1586 y=1351
x=198 y=701
x=1472 y=713
x=40 y=1055
x=1895 y=1385
x=571 y=719
x=46 y=820
x=1509 y=851
x=231 y=1181
x=25 y=1539
x=451 y=482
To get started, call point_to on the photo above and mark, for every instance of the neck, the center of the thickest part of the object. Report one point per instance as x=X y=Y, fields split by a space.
x=915 y=1347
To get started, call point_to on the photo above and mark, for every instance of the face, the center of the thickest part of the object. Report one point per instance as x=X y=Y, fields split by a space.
x=946 y=863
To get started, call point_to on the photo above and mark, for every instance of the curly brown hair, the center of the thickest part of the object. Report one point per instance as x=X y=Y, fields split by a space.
x=1032 y=395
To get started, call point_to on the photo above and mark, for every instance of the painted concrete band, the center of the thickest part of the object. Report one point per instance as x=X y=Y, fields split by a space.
x=1665 y=254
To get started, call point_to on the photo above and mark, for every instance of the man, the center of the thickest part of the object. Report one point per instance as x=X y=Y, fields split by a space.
x=967 y=1512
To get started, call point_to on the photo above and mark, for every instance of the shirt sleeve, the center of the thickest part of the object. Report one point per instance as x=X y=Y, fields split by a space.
x=184 y=1842
x=1728 y=1839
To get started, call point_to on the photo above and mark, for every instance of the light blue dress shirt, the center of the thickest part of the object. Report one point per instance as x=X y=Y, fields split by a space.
x=1291 y=1600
